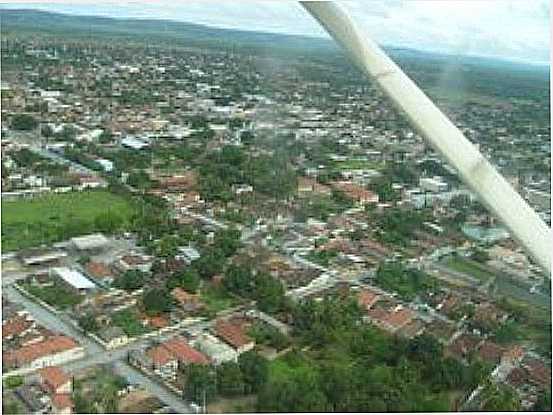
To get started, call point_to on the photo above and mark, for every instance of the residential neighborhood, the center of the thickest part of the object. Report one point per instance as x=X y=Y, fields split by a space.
x=194 y=228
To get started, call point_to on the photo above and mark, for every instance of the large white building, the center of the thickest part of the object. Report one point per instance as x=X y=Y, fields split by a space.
x=74 y=279
x=433 y=184
x=218 y=351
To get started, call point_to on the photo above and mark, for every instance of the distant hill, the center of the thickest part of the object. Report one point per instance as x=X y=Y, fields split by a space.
x=441 y=72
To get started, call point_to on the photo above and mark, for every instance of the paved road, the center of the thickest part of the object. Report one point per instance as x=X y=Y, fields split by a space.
x=95 y=354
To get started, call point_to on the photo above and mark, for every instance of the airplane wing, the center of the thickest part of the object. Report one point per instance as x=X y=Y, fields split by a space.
x=473 y=168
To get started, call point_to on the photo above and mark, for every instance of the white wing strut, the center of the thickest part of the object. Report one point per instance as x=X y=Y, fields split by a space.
x=494 y=191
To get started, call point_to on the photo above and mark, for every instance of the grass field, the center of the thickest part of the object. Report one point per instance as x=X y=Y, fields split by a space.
x=353 y=164
x=43 y=220
x=216 y=299
x=469 y=267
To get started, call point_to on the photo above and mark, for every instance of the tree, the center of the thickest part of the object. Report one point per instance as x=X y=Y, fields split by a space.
x=156 y=301
x=200 y=383
x=209 y=264
x=269 y=293
x=499 y=398
x=239 y=280
x=230 y=380
x=544 y=402
x=24 y=122
x=479 y=255
x=188 y=280
x=131 y=280
x=227 y=241
x=255 y=370
x=88 y=323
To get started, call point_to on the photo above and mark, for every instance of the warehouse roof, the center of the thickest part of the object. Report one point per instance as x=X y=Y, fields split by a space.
x=74 y=278
x=92 y=241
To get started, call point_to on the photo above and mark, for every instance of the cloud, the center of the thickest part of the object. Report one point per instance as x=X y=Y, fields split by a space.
x=513 y=29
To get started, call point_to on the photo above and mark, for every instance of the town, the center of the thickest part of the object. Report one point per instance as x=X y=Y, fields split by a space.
x=193 y=230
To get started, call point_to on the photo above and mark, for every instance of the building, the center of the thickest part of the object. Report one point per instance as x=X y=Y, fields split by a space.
x=215 y=349
x=234 y=335
x=188 y=302
x=433 y=184
x=55 y=350
x=188 y=254
x=99 y=271
x=113 y=337
x=391 y=320
x=89 y=242
x=164 y=359
x=55 y=380
x=40 y=257
x=134 y=262
x=73 y=279
x=134 y=144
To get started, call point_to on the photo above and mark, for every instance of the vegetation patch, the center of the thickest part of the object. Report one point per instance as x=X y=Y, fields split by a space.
x=56 y=217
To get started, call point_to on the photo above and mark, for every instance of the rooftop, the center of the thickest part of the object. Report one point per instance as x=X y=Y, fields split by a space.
x=74 y=278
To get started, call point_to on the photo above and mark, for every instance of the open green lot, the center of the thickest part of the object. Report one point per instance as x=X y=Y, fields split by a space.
x=355 y=164
x=56 y=217
x=469 y=267
x=216 y=299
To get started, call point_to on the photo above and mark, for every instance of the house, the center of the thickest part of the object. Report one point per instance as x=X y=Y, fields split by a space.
x=367 y=298
x=234 y=335
x=163 y=362
x=40 y=257
x=490 y=352
x=73 y=279
x=90 y=182
x=15 y=327
x=184 y=353
x=113 y=337
x=216 y=350
x=62 y=404
x=166 y=357
x=135 y=262
x=463 y=346
x=99 y=271
x=55 y=380
x=133 y=143
x=188 y=302
x=391 y=320
x=90 y=242
x=188 y=254
x=52 y=351
x=539 y=374
x=359 y=194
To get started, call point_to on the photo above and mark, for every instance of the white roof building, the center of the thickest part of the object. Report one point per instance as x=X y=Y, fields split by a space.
x=218 y=351
x=133 y=143
x=92 y=241
x=74 y=278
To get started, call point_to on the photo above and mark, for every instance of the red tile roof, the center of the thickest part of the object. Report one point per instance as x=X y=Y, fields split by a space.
x=160 y=355
x=233 y=334
x=98 y=270
x=538 y=372
x=62 y=401
x=15 y=326
x=367 y=298
x=53 y=377
x=184 y=352
x=27 y=354
x=399 y=318
x=184 y=297
x=490 y=352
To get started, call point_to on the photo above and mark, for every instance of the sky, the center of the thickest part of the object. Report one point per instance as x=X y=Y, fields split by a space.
x=516 y=30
